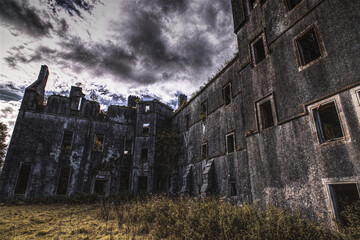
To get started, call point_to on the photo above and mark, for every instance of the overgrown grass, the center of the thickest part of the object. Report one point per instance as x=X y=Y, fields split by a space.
x=161 y=217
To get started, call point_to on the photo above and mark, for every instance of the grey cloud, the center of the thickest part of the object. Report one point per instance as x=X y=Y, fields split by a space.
x=9 y=92
x=73 y=6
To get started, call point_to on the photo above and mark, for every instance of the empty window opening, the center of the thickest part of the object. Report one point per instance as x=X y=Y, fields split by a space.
x=258 y=50
x=63 y=183
x=187 y=121
x=100 y=187
x=266 y=115
x=144 y=155
x=147 y=108
x=142 y=184
x=230 y=143
x=203 y=113
x=204 y=151
x=128 y=147
x=342 y=196
x=227 y=94
x=99 y=142
x=76 y=103
x=67 y=140
x=292 y=3
x=233 y=189
x=146 y=128
x=23 y=179
x=327 y=122
x=308 y=47
x=124 y=181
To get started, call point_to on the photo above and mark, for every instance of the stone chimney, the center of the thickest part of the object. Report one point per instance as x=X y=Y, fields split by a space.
x=181 y=99
x=132 y=101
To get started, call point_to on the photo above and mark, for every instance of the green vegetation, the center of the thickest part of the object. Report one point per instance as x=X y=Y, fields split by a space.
x=161 y=217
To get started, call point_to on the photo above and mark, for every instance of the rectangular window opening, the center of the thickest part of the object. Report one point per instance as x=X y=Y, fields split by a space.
x=100 y=187
x=23 y=179
x=147 y=108
x=63 y=183
x=233 y=189
x=144 y=155
x=124 y=181
x=292 y=3
x=259 y=53
x=204 y=151
x=203 y=113
x=266 y=114
x=128 y=147
x=187 y=122
x=142 y=184
x=67 y=140
x=227 y=94
x=146 y=128
x=308 y=47
x=230 y=143
x=99 y=142
x=342 y=196
x=328 y=122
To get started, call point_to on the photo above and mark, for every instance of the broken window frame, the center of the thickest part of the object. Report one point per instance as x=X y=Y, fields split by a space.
x=254 y=60
x=320 y=43
x=290 y=8
x=227 y=143
x=68 y=181
x=260 y=113
x=99 y=145
x=204 y=151
x=203 y=110
x=19 y=179
x=147 y=108
x=68 y=145
x=146 y=128
x=144 y=157
x=227 y=98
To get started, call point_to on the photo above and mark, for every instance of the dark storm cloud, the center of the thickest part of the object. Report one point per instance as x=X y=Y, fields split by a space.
x=8 y=92
x=169 y=6
x=20 y=16
x=73 y=6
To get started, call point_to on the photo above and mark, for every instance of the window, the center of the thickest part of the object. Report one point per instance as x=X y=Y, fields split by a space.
x=67 y=140
x=147 y=108
x=292 y=3
x=22 y=179
x=227 y=94
x=203 y=112
x=327 y=122
x=230 y=143
x=187 y=122
x=342 y=195
x=146 y=128
x=204 y=151
x=128 y=147
x=258 y=49
x=99 y=142
x=124 y=181
x=142 y=184
x=63 y=182
x=100 y=187
x=233 y=188
x=308 y=47
x=76 y=103
x=144 y=155
x=266 y=112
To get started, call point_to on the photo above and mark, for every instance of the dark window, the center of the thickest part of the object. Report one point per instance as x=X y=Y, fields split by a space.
x=128 y=147
x=146 y=128
x=63 y=181
x=67 y=140
x=266 y=115
x=342 y=196
x=147 y=108
x=259 y=51
x=204 y=151
x=292 y=3
x=23 y=179
x=187 y=121
x=230 y=143
x=308 y=47
x=327 y=122
x=144 y=155
x=100 y=186
x=124 y=181
x=99 y=142
x=142 y=184
x=227 y=94
x=203 y=113
x=233 y=189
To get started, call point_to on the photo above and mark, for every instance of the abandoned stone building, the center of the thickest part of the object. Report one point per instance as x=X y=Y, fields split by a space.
x=280 y=123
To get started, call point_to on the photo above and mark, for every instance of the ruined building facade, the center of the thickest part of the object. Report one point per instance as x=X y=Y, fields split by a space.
x=279 y=124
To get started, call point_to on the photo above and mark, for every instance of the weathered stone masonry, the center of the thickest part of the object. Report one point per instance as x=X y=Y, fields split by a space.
x=279 y=124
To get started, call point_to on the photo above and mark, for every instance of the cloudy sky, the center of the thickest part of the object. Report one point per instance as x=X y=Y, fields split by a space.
x=114 y=48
